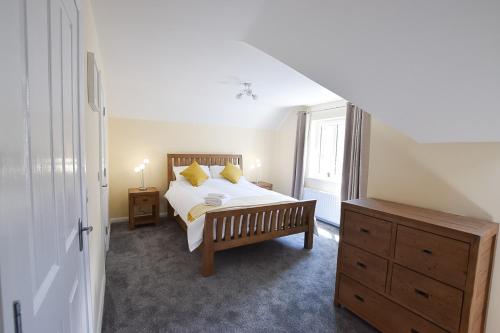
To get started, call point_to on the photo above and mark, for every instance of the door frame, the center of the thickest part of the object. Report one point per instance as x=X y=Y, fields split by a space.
x=23 y=79
x=103 y=168
x=82 y=164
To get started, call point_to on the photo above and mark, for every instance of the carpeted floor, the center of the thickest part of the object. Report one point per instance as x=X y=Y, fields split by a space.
x=153 y=285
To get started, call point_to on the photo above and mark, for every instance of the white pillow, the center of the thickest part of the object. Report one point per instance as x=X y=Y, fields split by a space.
x=215 y=170
x=179 y=169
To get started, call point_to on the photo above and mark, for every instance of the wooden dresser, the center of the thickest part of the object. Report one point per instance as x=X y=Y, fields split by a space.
x=412 y=270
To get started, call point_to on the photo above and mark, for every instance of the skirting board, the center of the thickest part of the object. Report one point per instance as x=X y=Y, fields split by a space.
x=125 y=218
x=101 y=303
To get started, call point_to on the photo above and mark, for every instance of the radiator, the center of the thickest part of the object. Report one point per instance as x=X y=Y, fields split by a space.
x=327 y=205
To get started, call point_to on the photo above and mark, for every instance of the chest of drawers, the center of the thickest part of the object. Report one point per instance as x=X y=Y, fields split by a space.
x=414 y=270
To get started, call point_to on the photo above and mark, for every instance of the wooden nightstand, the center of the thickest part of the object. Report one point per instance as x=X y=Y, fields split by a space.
x=142 y=199
x=266 y=185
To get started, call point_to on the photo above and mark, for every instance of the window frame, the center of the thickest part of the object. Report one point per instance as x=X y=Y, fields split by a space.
x=315 y=137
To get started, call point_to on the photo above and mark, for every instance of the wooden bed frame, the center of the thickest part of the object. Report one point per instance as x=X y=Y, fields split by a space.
x=254 y=224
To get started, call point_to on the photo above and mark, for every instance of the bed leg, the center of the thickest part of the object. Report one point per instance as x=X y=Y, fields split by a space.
x=207 y=259
x=308 y=240
x=308 y=236
x=207 y=247
x=170 y=210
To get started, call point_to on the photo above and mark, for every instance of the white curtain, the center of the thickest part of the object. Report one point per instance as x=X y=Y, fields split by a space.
x=356 y=153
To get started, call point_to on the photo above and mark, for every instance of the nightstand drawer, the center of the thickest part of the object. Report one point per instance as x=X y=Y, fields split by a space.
x=439 y=257
x=367 y=232
x=144 y=200
x=365 y=267
x=438 y=301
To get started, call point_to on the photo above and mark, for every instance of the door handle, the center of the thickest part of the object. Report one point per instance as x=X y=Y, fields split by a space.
x=82 y=229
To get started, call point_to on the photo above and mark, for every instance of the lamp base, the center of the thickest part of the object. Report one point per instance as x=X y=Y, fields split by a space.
x=143 y=188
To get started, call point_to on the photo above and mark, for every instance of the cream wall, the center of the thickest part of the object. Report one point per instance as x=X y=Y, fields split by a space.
x=461 y=178
x=96 y=237
x=132 y=140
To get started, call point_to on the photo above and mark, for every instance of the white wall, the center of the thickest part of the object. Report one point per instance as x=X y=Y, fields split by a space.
x=96 y=237
x=461 y=178
x=283 y=148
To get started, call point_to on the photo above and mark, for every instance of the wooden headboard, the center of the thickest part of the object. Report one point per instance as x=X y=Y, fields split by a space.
x=202 y=159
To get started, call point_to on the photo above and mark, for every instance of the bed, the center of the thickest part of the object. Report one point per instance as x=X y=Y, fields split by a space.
x=255 y=214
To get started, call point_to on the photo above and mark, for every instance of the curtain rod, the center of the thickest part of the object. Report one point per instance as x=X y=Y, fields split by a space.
x=330 y=108
x=326 y=109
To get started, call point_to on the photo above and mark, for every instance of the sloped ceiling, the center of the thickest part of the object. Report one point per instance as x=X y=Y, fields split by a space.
x=175 y=61
x=429 y=68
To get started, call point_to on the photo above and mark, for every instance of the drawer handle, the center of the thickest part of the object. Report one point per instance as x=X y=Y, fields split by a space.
x=421 y=293
x=360 y=264
x=364 y=230
x=426 y=251
x=414 y=331
x=359 y=298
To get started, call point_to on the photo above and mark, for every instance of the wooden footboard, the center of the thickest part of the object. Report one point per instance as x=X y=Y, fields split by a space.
x=237 y=227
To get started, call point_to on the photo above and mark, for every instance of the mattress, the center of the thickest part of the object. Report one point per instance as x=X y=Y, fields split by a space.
x=182 y=196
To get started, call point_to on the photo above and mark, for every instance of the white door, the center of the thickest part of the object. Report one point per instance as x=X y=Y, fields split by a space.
x=43 y=274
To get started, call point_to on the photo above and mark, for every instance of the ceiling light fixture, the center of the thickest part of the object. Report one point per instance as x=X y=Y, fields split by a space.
x=246 y=91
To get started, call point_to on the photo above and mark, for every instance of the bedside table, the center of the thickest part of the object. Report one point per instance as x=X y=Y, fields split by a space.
x=141 y=199
x=266 y=185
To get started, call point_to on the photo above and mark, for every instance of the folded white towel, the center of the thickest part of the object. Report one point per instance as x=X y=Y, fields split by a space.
x=217 y=195
x=211 y=201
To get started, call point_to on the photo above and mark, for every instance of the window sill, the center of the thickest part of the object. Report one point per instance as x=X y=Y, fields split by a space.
x=323 y=180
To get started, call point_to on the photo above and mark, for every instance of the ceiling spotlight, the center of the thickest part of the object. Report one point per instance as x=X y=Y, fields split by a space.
x=247 y=91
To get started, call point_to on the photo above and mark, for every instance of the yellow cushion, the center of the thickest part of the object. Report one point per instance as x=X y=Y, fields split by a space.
x=231 y=173
x=195 y=174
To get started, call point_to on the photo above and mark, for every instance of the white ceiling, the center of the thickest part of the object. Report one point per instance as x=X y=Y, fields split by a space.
x=159 y=66
x=428 y=68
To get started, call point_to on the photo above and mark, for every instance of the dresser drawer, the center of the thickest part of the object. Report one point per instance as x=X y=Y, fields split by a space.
x=436 y=300
x=367 y=232
x=384 y=314
x=144 y=200
x=440 y=257
x=364 y=267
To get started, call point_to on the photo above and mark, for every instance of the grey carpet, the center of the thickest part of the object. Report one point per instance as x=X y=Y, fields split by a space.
x=153 y=285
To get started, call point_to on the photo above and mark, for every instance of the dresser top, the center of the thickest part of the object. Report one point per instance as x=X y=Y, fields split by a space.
x=464 y=224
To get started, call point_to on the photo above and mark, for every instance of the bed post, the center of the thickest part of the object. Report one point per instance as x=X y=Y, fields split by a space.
x=207 y=248
x=308 y=235
x=170 y=210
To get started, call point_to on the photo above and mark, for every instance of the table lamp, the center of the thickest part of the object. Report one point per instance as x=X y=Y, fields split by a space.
x=140 y=168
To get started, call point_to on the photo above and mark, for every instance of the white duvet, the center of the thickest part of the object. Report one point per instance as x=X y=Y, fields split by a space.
x=183 y=197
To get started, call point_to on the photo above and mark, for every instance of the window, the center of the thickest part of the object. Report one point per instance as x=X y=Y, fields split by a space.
x=326 y=148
